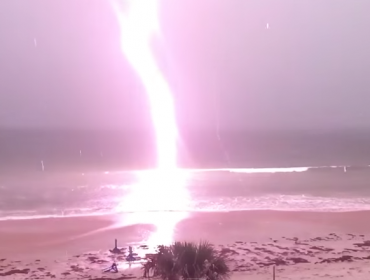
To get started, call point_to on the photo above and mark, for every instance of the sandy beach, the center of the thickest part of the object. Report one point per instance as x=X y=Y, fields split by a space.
x=302 y=245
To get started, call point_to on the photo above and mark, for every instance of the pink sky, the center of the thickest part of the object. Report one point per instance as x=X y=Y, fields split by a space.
x=308 y=69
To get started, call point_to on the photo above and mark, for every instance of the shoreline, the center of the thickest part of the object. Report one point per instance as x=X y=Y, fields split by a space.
x=253 y=241
x=115 y=214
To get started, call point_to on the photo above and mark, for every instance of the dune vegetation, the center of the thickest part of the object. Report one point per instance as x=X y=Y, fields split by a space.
x=187 y=260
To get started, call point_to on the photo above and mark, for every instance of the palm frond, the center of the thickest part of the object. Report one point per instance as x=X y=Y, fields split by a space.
x=184 y=260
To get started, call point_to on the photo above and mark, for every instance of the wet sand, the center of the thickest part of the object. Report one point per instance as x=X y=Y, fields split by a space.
x=302 y=245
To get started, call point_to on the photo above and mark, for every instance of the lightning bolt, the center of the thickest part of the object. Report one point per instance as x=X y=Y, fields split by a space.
x=164 y=188
x=139 y=25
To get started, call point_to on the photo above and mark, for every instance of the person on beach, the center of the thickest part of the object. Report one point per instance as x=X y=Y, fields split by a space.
x=115 y=250
x=130 y=257
x=112 y=268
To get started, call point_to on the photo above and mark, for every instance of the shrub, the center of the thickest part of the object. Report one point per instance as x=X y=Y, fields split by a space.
x=187 y=260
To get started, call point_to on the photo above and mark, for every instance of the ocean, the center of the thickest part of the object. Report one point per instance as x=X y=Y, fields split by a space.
x=66 y=173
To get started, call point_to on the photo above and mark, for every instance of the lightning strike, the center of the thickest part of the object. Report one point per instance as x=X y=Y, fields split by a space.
x=139 y=25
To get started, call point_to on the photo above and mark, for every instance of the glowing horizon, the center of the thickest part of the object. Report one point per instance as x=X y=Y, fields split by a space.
x=139 y=25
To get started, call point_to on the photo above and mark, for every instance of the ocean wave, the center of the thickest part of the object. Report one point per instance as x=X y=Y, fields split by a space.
x=287 y=169
x=271 y=202
x=324 y=168
x=102 y=195
x=296 y=169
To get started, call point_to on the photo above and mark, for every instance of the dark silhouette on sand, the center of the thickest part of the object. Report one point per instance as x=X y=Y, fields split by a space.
x=112 y=268
x=116 y=250
x=130 y=257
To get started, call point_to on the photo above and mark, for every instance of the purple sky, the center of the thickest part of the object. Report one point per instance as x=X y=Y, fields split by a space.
x=309 y=69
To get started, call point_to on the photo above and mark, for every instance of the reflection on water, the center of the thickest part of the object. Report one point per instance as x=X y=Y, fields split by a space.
x=161 y=197
x=149 y=199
